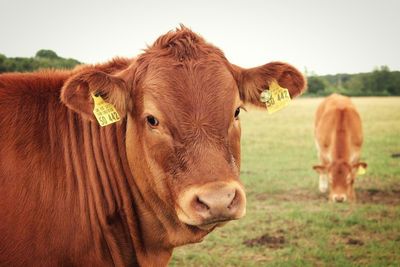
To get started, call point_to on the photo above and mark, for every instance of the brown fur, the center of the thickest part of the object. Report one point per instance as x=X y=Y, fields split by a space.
x=75 y=194
x=338 y=135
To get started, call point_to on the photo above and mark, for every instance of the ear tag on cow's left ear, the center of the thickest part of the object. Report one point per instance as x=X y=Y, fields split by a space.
x=361 y=170
x=275 y=97
x=104 y=112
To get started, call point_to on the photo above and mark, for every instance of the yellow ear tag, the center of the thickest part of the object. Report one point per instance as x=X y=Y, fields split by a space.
x=361 y=170
x=275 y=98
x=104 y=112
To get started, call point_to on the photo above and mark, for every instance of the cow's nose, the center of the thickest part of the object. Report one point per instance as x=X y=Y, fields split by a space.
x=212 y=203
x=221 y=203
x=339 y=198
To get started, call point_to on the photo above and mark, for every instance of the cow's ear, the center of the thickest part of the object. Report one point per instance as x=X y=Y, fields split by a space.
x=251 y=82
x=77 y=91
x=321 y=169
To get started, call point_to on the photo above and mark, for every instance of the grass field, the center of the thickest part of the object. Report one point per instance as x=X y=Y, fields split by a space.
x=288 y=222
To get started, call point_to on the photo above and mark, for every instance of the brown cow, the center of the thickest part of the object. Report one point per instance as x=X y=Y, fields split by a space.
x=73 y=193
x=338 y=137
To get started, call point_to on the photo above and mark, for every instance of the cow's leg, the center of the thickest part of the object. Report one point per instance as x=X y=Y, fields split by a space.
x=323 y=183
x=323 y=177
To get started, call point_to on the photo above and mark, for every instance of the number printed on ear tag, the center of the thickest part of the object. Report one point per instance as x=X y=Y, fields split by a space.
x=275 y=97
x=104 y=112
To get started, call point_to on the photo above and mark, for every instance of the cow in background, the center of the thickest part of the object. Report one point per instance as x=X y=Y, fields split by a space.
x=73 y=193
x=339 y=138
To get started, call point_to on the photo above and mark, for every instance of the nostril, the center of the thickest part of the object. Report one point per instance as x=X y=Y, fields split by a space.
x=235 y=200
x=199 y=205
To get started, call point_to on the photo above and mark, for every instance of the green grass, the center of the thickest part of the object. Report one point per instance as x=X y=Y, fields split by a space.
x=283 y=200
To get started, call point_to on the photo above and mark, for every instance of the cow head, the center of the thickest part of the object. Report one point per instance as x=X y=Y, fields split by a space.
x=341 y=176
x=181 y=101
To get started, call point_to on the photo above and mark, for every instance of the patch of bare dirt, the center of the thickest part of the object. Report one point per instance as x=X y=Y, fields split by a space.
x=298 y=195
x=354 y=242
x=364 y=196
x=267 y=240
x=389 y=197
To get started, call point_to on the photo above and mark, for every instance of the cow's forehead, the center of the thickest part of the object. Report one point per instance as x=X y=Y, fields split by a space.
x=190 y=86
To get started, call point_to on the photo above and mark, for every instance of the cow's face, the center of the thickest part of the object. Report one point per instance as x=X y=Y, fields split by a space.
x=190 y=130
x=341 y=176
x=181 y=101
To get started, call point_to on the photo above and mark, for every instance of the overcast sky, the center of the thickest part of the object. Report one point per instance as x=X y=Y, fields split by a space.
x=322 y=36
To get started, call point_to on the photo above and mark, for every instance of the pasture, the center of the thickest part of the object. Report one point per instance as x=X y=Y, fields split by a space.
x=288 y=222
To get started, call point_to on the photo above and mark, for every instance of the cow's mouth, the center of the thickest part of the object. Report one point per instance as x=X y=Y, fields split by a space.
x=209 y=226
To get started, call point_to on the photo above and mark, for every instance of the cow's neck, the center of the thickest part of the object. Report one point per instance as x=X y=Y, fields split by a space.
x=96 y=173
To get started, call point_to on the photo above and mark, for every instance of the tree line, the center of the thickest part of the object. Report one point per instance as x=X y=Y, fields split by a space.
x=44 y=59
x=379 y=82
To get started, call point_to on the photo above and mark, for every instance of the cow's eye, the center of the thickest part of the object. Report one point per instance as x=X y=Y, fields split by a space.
x=152 y=121
x=237 y=112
